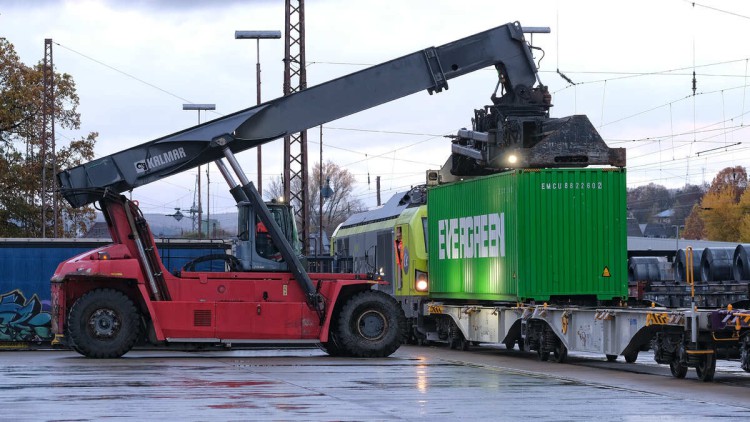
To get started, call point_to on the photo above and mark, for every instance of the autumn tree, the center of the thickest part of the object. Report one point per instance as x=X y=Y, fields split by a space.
x=721 y=215
x=694 y=229
x=337 y=208
x=744 y=206
x=21 y=129
x=722 y=211
x=733 y=179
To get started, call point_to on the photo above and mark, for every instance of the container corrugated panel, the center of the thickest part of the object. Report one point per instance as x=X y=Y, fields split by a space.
x=530 y=235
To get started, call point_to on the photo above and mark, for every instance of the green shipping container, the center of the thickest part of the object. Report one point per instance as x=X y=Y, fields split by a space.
x=530 y=235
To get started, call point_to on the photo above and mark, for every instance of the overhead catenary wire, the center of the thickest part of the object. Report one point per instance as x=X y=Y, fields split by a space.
x=124 y=73
x=625 y=75
x=675 y=144
x=716 y=9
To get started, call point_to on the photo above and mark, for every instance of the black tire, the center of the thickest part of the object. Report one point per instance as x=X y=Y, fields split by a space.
x=611 y=358
x=333 y=346
x=510 y=344
x=103 y=324
x=631 y=357
x=678 y=369
x=543 y=356
x=706 y=368
x=371 y=324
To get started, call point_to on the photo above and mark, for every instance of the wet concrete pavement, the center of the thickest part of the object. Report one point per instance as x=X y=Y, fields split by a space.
x=305 y=384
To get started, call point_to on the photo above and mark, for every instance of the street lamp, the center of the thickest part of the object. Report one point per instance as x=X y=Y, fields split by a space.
x=257 y=36
x=177 y=214
x=200 y=107
x=677 y=240
x=325 y=193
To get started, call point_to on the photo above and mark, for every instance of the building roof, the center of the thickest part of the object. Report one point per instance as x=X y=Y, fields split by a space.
x=665 y=214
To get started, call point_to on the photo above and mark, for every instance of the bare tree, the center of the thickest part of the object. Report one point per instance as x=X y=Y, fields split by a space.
x=645 y=201
x=337 y=208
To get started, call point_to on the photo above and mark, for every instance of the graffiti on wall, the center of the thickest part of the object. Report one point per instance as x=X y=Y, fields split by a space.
x=23 y=320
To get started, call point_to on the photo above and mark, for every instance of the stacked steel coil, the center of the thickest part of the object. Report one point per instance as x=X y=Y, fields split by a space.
x=716 y=264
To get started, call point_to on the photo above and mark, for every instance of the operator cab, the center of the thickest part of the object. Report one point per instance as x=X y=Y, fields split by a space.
x=255 y=249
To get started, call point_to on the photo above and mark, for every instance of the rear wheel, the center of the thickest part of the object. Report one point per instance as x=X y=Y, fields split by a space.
x=631 y=357
x=371 y=324
x=611 y=358
x=103 y=323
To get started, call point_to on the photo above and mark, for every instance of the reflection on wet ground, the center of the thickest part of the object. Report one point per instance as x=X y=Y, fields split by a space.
x=306 y=384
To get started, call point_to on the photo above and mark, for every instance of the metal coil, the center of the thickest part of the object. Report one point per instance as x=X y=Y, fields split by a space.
x=740 y=264
x=680 y=265
x=716 y=264
x=644 y=268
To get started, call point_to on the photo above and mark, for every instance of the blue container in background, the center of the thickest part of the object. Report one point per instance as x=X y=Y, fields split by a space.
x=26 y=266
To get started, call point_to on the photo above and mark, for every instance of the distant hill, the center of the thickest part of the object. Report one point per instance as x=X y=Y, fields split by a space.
x=167 y=226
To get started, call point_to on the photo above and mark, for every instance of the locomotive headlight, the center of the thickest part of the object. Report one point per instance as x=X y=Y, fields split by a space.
x=512 y=159
x=421 y=282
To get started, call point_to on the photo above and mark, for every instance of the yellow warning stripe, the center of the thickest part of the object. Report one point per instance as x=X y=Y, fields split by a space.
x=699 y=352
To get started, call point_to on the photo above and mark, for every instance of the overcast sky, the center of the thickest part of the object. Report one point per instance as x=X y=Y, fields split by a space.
x=136 y=62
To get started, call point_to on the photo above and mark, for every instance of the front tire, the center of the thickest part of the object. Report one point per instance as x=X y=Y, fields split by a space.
x=103 y=324
x=333 y=345
x=371 y=324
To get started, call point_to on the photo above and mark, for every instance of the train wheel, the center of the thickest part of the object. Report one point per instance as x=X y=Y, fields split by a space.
x=678 y=369
x=706 y=368
x=631 y=357
x=463 y=344
x=560 y=353
x=611 y=358
x=745 y=354
x=456 y=338
x=543 y=355
x=371 y=324
x=103 y=324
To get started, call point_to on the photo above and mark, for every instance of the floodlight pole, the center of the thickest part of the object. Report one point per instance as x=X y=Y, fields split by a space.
x=257 y=36
x=200 y=107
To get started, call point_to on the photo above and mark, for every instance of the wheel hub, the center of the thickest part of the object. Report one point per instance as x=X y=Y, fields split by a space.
x=372 y=325
x=104 y=323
